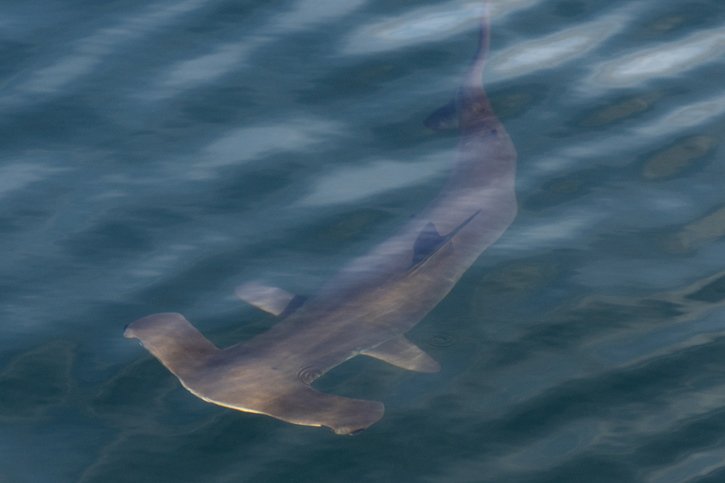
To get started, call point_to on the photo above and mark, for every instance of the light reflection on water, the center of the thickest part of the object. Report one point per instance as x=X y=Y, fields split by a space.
x=671 y=58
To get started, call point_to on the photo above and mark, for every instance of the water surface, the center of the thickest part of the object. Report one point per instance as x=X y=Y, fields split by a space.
x=157 y=154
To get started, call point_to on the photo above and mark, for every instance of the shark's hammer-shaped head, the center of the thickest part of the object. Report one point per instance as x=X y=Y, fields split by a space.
x=173 y=341
x=250 y=382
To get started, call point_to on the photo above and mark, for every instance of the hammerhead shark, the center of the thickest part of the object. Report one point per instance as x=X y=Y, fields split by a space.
x=366 y=308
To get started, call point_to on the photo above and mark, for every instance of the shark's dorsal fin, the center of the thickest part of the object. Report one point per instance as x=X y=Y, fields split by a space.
x=403 y=353
x=273 y=300
x=427 y=243
x=430 y=241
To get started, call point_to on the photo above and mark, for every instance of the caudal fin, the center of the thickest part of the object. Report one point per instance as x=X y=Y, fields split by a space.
x=448 y=116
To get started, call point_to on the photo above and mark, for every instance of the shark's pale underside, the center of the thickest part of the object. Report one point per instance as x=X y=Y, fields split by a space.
x=369 y=305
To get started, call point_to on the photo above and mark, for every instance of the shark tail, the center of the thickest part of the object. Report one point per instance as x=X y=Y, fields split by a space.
x=448 y=116
x=475 y=74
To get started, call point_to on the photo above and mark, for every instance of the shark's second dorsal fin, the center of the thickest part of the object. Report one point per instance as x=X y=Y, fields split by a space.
x=403 y=353
x=273 y=300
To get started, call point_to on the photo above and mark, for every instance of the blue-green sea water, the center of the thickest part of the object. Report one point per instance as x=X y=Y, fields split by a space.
x=156 y=154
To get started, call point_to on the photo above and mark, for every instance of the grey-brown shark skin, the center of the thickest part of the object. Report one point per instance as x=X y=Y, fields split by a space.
x=368 y=306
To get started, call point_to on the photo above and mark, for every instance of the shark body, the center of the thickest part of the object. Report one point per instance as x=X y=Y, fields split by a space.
x=369 y=305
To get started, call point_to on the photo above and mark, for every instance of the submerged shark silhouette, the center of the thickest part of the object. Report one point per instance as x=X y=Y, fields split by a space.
x=368 y=306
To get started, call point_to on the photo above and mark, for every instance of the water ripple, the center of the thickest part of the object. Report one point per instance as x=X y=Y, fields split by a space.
x=565 y=45
x=665 y=59
x=230 y=56
x=157 y=155
x=421 y=25
x=356 y=183
x=91 y=50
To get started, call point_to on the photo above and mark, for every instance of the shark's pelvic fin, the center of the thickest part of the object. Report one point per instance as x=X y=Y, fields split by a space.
x=403 y=353
x=273 y=300
x=444 y=118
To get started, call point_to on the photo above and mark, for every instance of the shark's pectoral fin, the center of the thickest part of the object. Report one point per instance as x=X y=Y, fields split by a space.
x=273 y=300
x=443 y=118
x=403 y=353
